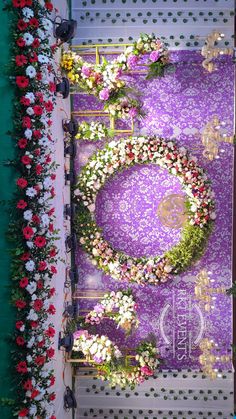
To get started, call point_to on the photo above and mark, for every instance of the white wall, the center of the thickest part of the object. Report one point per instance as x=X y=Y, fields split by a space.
x=103 y=21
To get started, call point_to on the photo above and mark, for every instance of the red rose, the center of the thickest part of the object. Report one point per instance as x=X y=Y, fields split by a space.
x=34 y=394
x=23 y=412
x=51 y=212
x=26 y=122
x=51 y=227
x=20 y=304
x=35 y=43
x=38 y=169
x=25 y=256
x=52 y=381
x=53 y=269
x=38 y=304
x=34 y=22
x=39 y=285
x=19 y=324
x=52 y=87
x=39 y=76
x=33 y=57
x=27 y=385
x=37 y=133
x=20 y=341
x=28 y=233
x=18 y=3
x=22 y=82
x=41 y=344
x=49 y=6
x=22 y=367
x=40 y=360
x=39 y=95
x=22 y=25
x=52 y=252
x=37 y=110
x=48 y=106
x=26 y=160
x=52 y=291
x=22 y=143
x=34 y=324
x=24 y=282
x=20 y=42
x=42 y=265
x=51 y=309
x=36 y=219
x=20 y=60
x=50 y=352
x=52 y=396
x=50 y=332
x=53 y=176
x=53 y=417
x=22 y=183
x=28 y=2
x=21 y=204
x=40 y=241
x=25 y=101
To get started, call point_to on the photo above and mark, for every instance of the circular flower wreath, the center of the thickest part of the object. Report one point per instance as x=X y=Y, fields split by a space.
x=125 y=315
x=111 y=364
x=199 y=206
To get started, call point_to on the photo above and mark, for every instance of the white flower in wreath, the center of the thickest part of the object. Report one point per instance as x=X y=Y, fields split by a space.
x=30 y=111
x=30 y=266
x=41 y=34
x=43 y=59
x=47 y=24
x=27 y=12
x=93 y=349
x=30 y=96
x=28 y=38
x=28 y=134
x=30 y=71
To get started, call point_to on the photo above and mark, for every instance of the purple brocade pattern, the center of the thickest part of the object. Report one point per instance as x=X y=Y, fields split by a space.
x=177 y=106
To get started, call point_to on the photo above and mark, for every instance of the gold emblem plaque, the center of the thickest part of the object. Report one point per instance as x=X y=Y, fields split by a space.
x=172 y=211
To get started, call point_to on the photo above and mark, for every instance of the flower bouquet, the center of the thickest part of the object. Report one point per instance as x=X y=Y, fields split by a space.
x=93 y=131
x=125 y=315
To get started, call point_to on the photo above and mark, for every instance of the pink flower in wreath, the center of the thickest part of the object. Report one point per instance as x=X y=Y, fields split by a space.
x=86 y=71
x=133 y=112
x=146 y=370
x=154 y=56
x=80 y=333
x=132 y=61
x=104 y=94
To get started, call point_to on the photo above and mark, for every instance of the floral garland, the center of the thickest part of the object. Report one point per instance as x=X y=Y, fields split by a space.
x=146 y=362
x=98 y=349
x=32 y=229
x=93 y=131
x=104 y=80
x=200 y=205
x=124 y=302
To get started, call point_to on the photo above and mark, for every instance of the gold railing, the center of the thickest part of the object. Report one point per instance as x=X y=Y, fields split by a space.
x=97 y=51
x=97 y=113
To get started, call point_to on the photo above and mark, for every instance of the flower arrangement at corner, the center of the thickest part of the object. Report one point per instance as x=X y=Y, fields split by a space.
x=125 y=315
x=124 y=153
x=104 y=80
x=96 y=349
x=158 y=55
x=93 y=131
x=32 y=228
x=135 y=369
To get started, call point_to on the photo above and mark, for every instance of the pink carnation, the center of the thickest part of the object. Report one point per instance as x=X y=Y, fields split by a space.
x=133 y=112
x=104 y=94
x=154 y=56
x=146 y=370
x=86 y=71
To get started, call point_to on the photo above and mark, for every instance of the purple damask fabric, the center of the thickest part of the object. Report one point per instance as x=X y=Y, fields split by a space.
x=177 y=106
